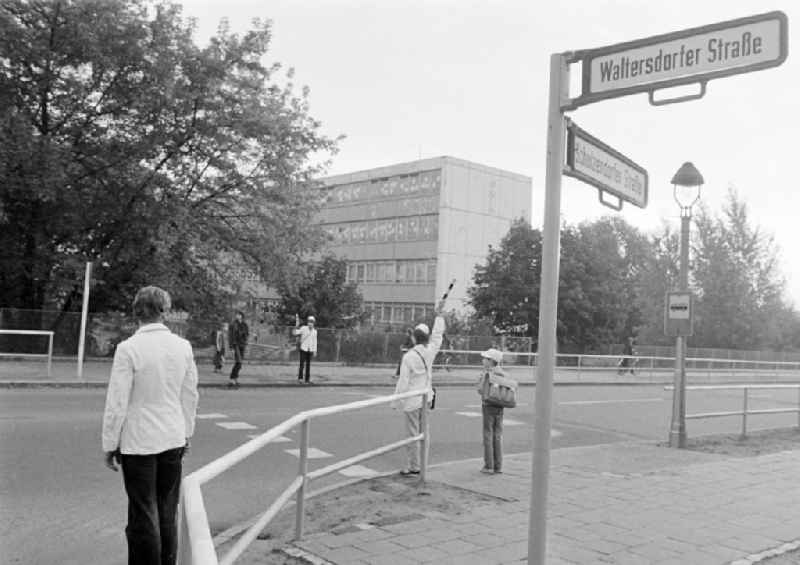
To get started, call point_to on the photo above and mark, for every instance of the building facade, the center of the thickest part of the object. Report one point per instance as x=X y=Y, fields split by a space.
x=408 y=230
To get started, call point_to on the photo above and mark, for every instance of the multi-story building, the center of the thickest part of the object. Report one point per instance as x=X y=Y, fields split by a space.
x=408 y=230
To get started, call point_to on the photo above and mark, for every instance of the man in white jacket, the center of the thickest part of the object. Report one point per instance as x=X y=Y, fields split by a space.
x=149 y=417
x=415 y=374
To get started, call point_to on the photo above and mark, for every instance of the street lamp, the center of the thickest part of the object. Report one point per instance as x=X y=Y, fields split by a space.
x=686 y=185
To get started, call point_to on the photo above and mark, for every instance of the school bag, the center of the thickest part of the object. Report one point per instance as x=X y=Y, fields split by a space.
x=498 y=390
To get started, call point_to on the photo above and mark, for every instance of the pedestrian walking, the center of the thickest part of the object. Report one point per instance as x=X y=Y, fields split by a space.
x=237 y=339
x=492 y=413
x=219 y=346
x=415 y=374
x=627 y=361
x=408 y=343
x=306 y=344
x=149 y=417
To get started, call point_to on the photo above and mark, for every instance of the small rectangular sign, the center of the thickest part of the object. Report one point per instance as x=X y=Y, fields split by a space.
x=678 y=317
x=689 y=56
x=594 y=162
x=679 y=306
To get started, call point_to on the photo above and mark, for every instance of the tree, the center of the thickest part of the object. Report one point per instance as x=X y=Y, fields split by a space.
x=505 y=288
x=324 y=293
x=737 y=279
x=125 y=143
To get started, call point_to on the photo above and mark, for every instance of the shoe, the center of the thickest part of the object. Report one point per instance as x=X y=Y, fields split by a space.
x=231 y=384
x=486 y=471
x=407 y=472
x=498 y=472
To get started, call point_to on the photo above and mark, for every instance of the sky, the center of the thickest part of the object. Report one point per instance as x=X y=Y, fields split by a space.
x=412 y=79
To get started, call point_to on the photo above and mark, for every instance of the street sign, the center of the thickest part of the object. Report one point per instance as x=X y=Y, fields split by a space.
x=678 y=315
x=594 y=162
x=694 y=55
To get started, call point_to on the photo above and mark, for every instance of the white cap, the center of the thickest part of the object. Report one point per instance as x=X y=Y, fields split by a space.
x=311 y=319
x=423 y=328
x=493 y=354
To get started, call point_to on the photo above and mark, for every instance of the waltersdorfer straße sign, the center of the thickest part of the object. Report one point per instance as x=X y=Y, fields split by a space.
x=689 y=56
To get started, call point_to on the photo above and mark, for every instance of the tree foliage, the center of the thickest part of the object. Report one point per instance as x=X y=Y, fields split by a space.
x=739 y=286
x=125 y=143
x=323 y=292
x=613 y=280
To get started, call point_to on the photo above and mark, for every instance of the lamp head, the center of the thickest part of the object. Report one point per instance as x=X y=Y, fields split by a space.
x=686 y=185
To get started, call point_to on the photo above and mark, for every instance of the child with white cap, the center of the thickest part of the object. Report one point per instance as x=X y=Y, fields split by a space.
x=492 y=413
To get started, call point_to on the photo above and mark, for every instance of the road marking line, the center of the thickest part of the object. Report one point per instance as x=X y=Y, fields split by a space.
x=236 y=426
x=470 y=414
x=480 y=405
x=585 y=402
x=279 y=439
x=512 y=422
x=358 y=471
x=213 y=416
x=313 y=453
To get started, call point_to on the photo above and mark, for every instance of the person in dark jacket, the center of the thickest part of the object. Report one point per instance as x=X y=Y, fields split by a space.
x=237 y=340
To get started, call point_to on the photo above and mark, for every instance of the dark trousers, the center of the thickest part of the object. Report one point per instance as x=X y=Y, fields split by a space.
x=153 y=486
x=493 y=437
x=238 y=355
x=305 y=361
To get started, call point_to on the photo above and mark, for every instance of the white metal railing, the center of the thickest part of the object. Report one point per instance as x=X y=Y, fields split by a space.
x=744 y=412
x=49 y=353
x=648 y=366
x=196 y=546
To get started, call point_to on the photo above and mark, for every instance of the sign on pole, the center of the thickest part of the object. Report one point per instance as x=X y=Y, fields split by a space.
x=678 y=315
x=594 y=162
x=694 y=55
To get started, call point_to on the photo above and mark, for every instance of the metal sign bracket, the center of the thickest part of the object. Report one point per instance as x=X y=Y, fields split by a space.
x=685 y=98
x=609 y=203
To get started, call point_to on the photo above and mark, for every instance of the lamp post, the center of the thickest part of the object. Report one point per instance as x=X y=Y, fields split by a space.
x=686 y=185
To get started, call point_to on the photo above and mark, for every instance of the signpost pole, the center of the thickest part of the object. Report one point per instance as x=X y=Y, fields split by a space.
x=677 y=432
x=548 y=302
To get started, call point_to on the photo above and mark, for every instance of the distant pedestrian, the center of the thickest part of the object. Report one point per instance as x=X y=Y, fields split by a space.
x=149 y=417
x=219 y=346
x=492 y=413
x=415 y=374
x=627 y=361
x=238 y=334
x=307 y=345
x=408 y=343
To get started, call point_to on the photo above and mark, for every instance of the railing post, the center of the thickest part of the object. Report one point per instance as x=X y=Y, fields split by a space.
x=580 y=363
x=744 y=414
x=423 y=427
x=50 y=356
x=798 y=407
x=303 y=472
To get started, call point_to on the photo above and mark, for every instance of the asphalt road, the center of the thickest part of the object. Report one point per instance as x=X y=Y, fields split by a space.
x=59 y=504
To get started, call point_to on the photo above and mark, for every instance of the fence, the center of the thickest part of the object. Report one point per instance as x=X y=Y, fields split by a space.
x=196 y=546
x=744 y=412
x=356 y=346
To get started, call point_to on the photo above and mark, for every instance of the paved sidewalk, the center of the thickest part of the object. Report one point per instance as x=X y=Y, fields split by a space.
x=629 y=503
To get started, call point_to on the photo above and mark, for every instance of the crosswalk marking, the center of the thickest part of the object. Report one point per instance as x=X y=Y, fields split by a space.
x=236 y=426
x=212 y=416
x=470 y=414
x=313 y=453
x=279 y=439
x=358 y=471
x=512 y=422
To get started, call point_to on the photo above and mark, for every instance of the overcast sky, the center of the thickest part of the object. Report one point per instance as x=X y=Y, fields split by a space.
x=410 y=79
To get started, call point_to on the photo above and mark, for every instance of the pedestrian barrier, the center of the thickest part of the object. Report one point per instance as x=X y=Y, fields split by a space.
x=195 y=544
x=744 y=412
x=49 y=353
x=643 y=367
